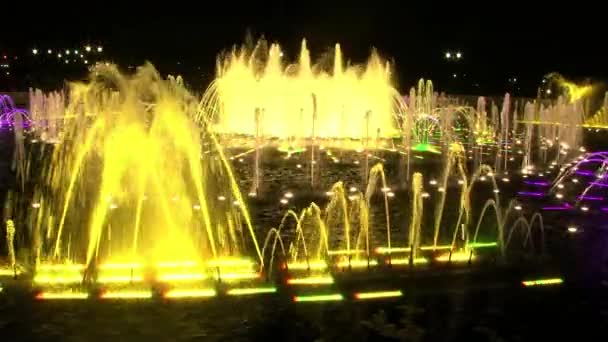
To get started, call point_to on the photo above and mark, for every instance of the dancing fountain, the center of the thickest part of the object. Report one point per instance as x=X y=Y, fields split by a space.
x=128 y=188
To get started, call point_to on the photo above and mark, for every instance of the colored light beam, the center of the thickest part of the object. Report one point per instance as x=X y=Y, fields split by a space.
x=377 y=295
x=62 y=295
x=536 y=183
x=456 y=257
x=357 y=263
x=483 y=244
x=566 y=206
x=127 y=295
x=192 y=293
x=251 y=291
x=318 y=298
x=531 y=194
x=591 y=198
x=406 y=261
x=310 y=281
x=542 y=282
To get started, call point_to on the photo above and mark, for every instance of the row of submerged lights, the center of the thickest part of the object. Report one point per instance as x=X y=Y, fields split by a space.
x=245 y=291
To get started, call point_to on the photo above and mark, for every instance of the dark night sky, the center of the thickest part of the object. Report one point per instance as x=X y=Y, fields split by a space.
x=499 y=40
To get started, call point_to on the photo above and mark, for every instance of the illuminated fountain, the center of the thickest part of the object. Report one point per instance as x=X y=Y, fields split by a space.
x=11 y=116
x=301 y=100
x=339 y=236
x=48 y=112
x=129 y=195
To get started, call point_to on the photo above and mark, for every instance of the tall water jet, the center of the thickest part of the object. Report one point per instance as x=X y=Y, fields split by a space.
x=417 y=214
x=247 y=80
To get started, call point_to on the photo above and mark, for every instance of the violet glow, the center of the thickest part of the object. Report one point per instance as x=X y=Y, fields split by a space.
x=536 y=183
x=565 y=206
x=531 y=194
x=8 y=111
x=591 y=198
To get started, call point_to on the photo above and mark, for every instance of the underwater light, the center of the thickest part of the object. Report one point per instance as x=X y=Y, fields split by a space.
x=378 y=294
x=127 y=295
x=313 y=265
x=455 y=257
x=483 y=244
x=406 y=261
x=318 y=298
x=190 y=293
x=62 y=295
x=357 y=263
x=251 y=291
x=542 y=282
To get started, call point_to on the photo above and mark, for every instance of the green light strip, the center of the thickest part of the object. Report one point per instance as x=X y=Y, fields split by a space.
x=378 y=294
x=318 y=298
x=542 y=282
x=483 y=244
x=250 y=291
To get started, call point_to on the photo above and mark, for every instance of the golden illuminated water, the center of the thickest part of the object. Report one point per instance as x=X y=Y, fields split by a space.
x=130 y=180
x=292 y=98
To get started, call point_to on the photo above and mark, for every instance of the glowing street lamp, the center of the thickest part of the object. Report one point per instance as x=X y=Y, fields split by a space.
x=99 y=49
x=87 y=48
x=448 y=55
x=458 y=55
x=35 y=51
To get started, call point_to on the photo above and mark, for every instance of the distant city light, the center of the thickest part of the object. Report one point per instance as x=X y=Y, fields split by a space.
x=458 y=55
x=448 y=55
x=87 y=48
x=99 y=49
x=59 y=55
x=49 y=51
x=67 y=52
x=548 y=91
x=454 y=75
x=76 y=51
x=35 y=51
